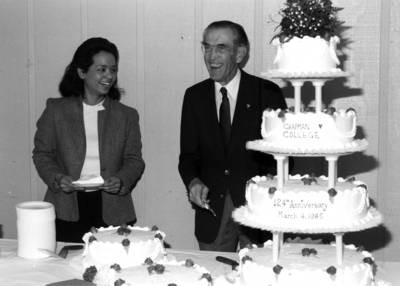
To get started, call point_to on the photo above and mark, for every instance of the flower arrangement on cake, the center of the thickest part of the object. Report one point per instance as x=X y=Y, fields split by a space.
x=308 y=18
x=306 y=39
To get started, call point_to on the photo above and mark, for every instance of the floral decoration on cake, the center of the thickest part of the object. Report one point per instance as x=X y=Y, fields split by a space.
x=277 y=269
x=123 y=230
x=308 y=18
x=331 y=270
x=308 y=251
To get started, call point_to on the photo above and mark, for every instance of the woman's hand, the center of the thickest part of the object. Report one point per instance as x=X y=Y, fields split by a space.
x=64 y=182
x=112 y=185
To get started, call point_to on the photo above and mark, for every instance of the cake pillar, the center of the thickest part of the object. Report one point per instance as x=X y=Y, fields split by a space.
x=318 y=83
x=297 y=84
x=339 y=248
x=332 y=170
x=277 y=241
x=282 y=169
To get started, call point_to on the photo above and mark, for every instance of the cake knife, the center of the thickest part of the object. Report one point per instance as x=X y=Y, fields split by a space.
x=207 y=207
x=63 y=252
x=234 y=264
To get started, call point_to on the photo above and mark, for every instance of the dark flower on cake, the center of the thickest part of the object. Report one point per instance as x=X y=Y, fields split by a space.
x=206 y=276
x=368 y=260
x=90 y=273
x=148 y=261
x=271 y=190
x=330 y=110
x=332 y=192
x=150 y=269
x=92 y=238
x=157 y=268
x=350 y=109
x=313 y=251
x=189 y=263
x=123 y=230
x=308 y=18
x=159 y=236
x=291 y=109
x=331 y=270
x=309 y=180
x=116 y=267
x=277 y=269
x=93 y=229
x=350 y=179
x=172 y=284
x=363 y=186
x=126 y=242
x=154 y=228
x=305 y=252
x=119 y=282
x=308 y=251
x=246 y=258
x=281 y=114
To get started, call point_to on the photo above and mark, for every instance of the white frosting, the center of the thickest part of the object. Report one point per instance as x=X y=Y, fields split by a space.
x=302 y=270
x=107 y=248
x=308 y=130
x=297 y=202
x=306 y=208
x=306 y=54
x=174 y=272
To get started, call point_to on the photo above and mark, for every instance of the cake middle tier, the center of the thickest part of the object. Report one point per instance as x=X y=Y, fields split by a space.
x=307 y=205
x=308 y=132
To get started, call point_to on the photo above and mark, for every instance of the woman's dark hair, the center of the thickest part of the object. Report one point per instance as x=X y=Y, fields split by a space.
x=71 y=84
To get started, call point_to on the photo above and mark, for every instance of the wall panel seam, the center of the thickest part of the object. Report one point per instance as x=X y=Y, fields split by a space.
x=31 y=92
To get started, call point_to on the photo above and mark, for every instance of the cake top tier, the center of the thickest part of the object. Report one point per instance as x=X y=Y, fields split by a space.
x=308 y=18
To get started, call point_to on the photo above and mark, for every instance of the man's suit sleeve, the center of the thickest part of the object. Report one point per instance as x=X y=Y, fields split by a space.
x=274 y=96
x=189 y=142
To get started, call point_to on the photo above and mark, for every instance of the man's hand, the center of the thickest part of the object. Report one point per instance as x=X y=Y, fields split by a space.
x=198 y=192
x=112 y=185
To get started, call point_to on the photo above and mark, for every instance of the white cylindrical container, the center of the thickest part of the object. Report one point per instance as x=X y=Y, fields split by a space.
x=36 y=229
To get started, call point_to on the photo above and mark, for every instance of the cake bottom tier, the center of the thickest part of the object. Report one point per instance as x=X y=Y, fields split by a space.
x=306 y=265
x=163 y=273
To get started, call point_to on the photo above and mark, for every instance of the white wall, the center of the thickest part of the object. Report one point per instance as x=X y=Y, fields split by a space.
x=161 y=57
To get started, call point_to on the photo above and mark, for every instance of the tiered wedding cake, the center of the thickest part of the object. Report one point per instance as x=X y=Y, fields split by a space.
x=305 y=203
x=127 y=256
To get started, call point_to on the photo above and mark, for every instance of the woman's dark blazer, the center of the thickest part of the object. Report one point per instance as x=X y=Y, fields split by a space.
x=202 y=151
x=60 y=148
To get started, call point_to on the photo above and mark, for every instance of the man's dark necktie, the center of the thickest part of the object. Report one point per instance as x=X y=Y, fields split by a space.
x=225 y=117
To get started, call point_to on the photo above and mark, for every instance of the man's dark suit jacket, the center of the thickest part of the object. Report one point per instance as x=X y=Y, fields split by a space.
x=202 y=151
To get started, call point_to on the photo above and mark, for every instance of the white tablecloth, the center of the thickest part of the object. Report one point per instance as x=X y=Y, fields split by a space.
x=16 y=271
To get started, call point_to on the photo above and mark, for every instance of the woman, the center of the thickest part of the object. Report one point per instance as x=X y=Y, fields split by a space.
x=85 y=133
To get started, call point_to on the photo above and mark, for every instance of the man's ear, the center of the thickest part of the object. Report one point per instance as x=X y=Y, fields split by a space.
x=241 y=54
x=81 y=73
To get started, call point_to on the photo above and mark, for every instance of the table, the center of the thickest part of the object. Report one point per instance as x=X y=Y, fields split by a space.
x=16 y=271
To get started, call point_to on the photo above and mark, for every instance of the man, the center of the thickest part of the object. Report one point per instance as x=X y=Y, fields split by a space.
x=215 y=126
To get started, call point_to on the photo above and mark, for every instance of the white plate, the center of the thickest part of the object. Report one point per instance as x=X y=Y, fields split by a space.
x=93 y=185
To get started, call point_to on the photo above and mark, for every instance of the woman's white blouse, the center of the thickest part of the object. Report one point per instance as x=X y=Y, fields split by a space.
x=91 y=165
